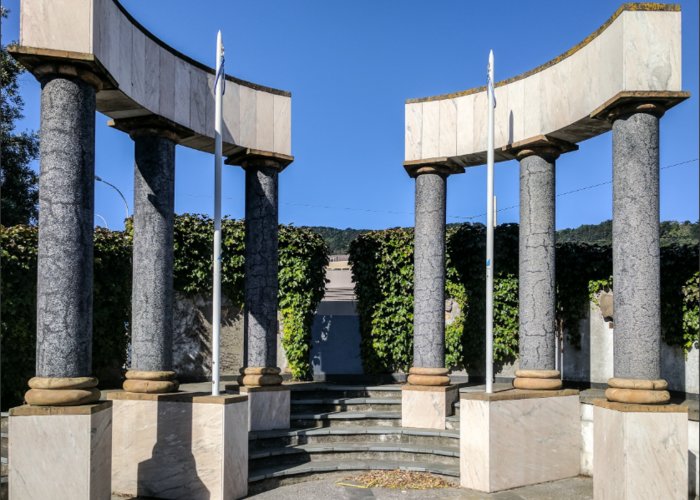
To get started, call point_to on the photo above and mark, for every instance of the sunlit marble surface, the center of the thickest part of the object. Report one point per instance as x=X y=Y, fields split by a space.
x=640 y=455
x=60 y=457
x=180 y=449
x=510 y=443
x=268 y=409
x=427 y=409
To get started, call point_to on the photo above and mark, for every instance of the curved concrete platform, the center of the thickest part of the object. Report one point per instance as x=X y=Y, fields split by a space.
x=635 y=55
x=139 y=75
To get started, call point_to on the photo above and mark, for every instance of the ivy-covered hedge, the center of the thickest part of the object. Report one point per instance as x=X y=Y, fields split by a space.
x=111 y=307
x=383 y=273
x=303 y=257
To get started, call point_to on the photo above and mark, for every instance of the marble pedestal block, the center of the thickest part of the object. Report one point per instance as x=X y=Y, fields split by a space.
x=180 y=445
x=61 y=453
x=268 y=407
x=517 y=438
x=640 y=451
x=427 y=407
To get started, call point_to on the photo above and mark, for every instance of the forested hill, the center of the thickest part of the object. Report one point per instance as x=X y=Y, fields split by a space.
x=338 y=240
x=671 y=232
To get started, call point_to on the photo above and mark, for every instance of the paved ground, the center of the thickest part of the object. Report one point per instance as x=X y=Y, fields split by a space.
x=334 y=487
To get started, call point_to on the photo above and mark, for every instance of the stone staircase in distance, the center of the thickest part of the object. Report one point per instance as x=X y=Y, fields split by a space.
x=348 y=428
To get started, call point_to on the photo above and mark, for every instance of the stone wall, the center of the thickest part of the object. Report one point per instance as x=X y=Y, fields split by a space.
x=594 y=361
x=192 y=337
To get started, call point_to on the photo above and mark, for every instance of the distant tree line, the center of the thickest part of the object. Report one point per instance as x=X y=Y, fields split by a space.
x=672 y=232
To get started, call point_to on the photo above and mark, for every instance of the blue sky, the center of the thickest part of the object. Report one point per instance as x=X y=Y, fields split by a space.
x=350 y=65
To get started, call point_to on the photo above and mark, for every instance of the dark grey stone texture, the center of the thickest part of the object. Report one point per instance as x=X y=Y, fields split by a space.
x=261 y=262
x=66 y=211
x=152 y=290
x=636 y=246
x=429 y=272
x=537 y=292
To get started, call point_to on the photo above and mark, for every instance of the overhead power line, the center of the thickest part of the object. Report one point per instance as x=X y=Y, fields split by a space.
x=460 y=217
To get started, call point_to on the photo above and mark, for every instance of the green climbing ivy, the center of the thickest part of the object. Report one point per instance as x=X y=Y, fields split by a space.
x=302 y=259
x=382 y=263
x=691 y=312
x=111 y=307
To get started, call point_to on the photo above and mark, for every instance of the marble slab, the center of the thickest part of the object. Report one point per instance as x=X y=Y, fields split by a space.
x=180 y=448
x=637 y=49
x=639 y=455
x=509 y=443
x=425 y=408
x=151 y=77
x=61 y=455
x=268 y=409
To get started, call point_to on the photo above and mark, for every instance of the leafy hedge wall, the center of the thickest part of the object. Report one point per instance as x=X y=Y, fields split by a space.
x=303 y=257
x=111 y=307
x=383 y=273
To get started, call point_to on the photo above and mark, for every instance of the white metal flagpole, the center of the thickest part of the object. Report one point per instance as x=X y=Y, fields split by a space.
x=489 y=230
x=216 y=301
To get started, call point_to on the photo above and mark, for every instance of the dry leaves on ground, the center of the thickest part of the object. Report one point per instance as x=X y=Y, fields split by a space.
x=399 y=479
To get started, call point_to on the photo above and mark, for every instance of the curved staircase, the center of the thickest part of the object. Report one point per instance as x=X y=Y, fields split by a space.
x=349 y=428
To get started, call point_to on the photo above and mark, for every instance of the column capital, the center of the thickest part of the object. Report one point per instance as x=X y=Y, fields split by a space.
x=625 y=103
x=255 y=158
x=47 y=63
x=138 y=126
x=544 y=146
x=443 y=166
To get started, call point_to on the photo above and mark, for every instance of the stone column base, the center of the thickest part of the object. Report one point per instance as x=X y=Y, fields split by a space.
x=268 y=407
x=427 y=407
x=60 y=452
x=639 y=451
x=516 y=438
x=183 y=445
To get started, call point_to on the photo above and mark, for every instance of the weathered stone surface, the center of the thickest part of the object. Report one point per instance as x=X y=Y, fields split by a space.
x=630 y=383
x=61 y=397
x=261 y=262
x=66 y=211
x=192 y=337
x=62 y=383
x=150 y=386
x=636 y=246
x=147 y=375
x=538 y=373
x=537 y=293
x=542 y=384
x=637 y=396
x=429 y=272
x=152 y=291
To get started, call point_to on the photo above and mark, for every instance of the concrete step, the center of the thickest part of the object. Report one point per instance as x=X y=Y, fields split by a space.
x=337 y=391
x=288 y=437
x=282 y=470
x=346 y=419
x=345 y=404
x=452 y=422
x=345 y=452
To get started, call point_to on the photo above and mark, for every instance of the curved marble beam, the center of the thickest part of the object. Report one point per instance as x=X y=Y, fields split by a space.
x=142 y=76
x=636 y=54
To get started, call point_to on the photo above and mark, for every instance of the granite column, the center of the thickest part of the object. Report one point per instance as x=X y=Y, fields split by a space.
x=65 y=251
x=151 y=369
x=636 y=266
x=429 y=281
x=537 y=286
x=427 y=399
x=261 y=262
x=268 y=399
